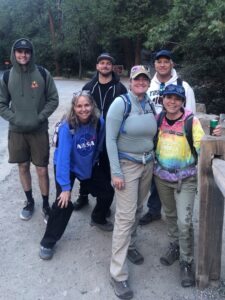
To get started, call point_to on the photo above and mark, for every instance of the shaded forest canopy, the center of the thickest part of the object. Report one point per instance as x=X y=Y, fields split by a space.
x=69 y=35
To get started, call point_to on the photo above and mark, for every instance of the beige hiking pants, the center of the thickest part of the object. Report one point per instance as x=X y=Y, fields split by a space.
x=129 y=204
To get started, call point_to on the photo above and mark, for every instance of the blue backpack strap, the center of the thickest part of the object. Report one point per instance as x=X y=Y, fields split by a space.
x=127 y=110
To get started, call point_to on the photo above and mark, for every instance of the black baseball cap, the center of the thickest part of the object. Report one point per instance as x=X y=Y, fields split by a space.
x=163 y=53
x=105 y=55
x=23 y=44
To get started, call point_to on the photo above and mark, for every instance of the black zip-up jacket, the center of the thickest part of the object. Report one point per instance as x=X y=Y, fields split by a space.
x=115 y=89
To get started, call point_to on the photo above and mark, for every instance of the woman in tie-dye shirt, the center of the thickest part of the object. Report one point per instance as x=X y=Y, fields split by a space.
x=175 y=175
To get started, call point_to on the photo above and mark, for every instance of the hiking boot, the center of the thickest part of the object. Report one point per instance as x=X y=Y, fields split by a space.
x=81 y=201
x=27 y=211
x=148 y=218
x=122 y=289
x=172 y=254
x=46 y=213
x=135 y=257
x=108 y=226
x=46 y=253
x=186 y=274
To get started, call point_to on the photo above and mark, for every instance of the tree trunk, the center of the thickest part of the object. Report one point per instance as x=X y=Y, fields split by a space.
x=80 y=55
x=138 y=50
x=52 y=31
x=128 y=54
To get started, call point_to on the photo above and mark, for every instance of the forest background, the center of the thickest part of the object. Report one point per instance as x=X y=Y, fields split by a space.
x=68 y=35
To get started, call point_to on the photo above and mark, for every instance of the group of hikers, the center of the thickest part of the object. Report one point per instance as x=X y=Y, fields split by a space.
x=132 y=145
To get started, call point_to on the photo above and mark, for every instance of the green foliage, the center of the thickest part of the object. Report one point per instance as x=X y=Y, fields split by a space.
x=195 y=31
x=68 y=35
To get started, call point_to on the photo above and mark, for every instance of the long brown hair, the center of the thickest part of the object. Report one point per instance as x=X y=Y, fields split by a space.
x=72 y=117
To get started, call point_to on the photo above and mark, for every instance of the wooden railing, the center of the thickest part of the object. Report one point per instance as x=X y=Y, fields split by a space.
x=211 y=210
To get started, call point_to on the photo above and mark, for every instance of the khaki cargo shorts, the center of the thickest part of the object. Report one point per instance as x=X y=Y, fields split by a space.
x=24 y=147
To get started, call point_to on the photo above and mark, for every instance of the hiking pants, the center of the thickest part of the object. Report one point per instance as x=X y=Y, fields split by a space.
x=178 y=207
x=129 y=205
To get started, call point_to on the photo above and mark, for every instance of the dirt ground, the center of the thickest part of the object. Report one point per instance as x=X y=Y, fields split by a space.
x=79 y=269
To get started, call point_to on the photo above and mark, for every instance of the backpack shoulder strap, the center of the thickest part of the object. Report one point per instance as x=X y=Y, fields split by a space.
x=160 y=118
x=6 y=77
x=179 y=81
x=117 y=89
x=44 y=75
x=152 y=108
x=99 y=124
x=159 y=122
x=127 y=110
x=188 y=125
x=7 y=73
x=43 y=72
x=55 y=137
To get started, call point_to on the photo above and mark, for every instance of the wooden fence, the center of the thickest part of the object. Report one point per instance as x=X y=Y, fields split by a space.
x=211 y=211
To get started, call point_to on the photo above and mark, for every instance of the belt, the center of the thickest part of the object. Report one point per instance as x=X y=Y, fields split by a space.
x=175 y=171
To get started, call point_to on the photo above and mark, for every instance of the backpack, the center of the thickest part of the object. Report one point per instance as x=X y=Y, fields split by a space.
x=55 y=137
x=188 y=125
x=127 y=110
x=179 y=81
x=42 y=70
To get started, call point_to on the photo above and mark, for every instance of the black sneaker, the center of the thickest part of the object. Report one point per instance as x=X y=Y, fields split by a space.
x=186 y=274
x=27 y=211
x=148 y=218
x=108 y=226
x=81 y=201
x=135 y=256
x=172 y=254
x=122 y=289
x=46 y=213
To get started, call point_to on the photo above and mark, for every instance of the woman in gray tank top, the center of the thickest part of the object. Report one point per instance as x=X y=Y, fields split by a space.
x=130 y=129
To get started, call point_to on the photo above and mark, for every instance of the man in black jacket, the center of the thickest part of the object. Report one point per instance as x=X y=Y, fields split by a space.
x=105 y=86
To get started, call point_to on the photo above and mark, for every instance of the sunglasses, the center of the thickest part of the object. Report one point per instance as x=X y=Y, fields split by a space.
x=161 y=88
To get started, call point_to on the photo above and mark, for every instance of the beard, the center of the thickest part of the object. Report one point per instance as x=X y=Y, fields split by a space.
x=106 y=74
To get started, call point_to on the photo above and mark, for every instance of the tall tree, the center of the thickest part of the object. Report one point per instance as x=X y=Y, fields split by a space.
x=79 y=29
x=194 y=31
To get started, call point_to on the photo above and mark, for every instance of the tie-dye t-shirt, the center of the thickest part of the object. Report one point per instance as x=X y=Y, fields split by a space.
x=174 y=159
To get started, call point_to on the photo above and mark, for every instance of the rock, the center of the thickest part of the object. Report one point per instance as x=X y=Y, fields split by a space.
x=200 y=107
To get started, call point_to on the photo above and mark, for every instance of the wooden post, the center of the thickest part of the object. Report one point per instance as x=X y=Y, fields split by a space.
x=208 y=265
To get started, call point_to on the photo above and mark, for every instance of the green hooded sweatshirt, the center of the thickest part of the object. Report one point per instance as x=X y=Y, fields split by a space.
x=27 y=100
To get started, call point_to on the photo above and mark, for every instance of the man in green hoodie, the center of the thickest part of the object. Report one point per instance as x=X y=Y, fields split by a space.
x=28 y=96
